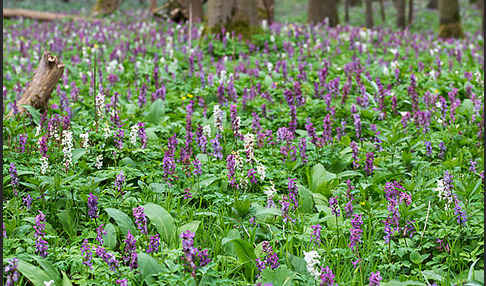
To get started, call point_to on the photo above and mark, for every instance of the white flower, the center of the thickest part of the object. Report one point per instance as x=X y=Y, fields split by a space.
x=107 y=131
x=99 y=162
x=261 y=171
x=49 y=283
x=44 y=165
x=218 y=118
x=99 y=102
x=207 y=131
x=443 y=194
x=37 y=130
x=85 y=137
x=248 y=143
x=270 y=191
x=312 y=260
x=385 y=70
x=67 y=147
x=133 y=134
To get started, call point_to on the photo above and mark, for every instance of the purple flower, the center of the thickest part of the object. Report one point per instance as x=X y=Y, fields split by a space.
x=357 y=125
x=231 y=166
x=285 y=209
x=355 y=231
x=472 y=167
x=142 y=135
x=11 y=272
x=442 y=149
x=217 y=149
x=27 y=200
x=192 y=255
x=293 y=192
x=109 y=258
x=375 y=279
x=251 y=175
x=40 y=244
x=311 y=131
x=197 y=167
x=369 y=163
x=43 y=146
x=459 y=212
x=130 y=254
x=154 y=243
x=120 y=179
x=316 y=234
x=122 y=282
x=87 y=254
x=22 y=142
x=99 y=234
x=302 y=149
x=326 y=132
x=14 y=177
x=140 y=219
x=333 y=204
x=92 y=206
x=119 y=138
x=187 y=194
x=428 y=148
x=327 y=277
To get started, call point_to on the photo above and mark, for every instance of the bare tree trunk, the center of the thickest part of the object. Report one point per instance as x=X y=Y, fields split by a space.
x=105 y=7
x=355 y=3
x=232 y=14
x=410 y=12
x=196 y=9
x=45 y=79
x=266 y=10
x=318 y=10
x=433 y=4
x=346 y=10
x=450 y=19
x=369 y=13
x=401 y=14
x=382 y=10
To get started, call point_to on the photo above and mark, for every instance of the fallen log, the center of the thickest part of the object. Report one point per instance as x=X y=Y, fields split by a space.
x=45 y=79
x=41 y=16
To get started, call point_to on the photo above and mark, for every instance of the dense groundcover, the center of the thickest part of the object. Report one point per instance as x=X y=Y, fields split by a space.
x=307 y=155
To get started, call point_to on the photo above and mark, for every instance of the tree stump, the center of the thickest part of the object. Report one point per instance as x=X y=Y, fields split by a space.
x=45 y=79
x=106 y=7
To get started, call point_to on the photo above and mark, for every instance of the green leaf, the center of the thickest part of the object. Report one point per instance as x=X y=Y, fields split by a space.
x=109 y=239
x=33 y=112
x=78 y=153
x=65 y=280
x=243 y=250
x=432 y=275
x=50 y=270
x=281 y=276
x=35 y=275
x=191 y=226
x=162 y=220
x=348 y=174
x=415 y=257
x=67 y=222
x=321 y=180
x=155 y=112
x=306 y=201
x=122 y=220
x=208 y=182
x=404 y=283
x=262 y=213
x=299 y=264
x=242 y=207
x=148 y=266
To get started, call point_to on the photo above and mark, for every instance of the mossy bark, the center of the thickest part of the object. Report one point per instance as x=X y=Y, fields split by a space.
x=239 y=16
x=369 y=14
x=318 y=10
x=266 y=10
x=400 y=4
x=450 y=19
x=106 y=7
x=433 y=4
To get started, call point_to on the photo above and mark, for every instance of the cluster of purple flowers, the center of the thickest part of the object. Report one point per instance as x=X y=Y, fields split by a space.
x=140 y=219
x=370 y=156
x=14 y=177
x=11 y=272
x=120 y=179
x=394 y=195
x=269 y=260
x=333 y=204
x=40 y=244
x=92 y=206
x=327 y=277
x=100 y=231
x=355 y=231
x=316 y=234
x=87 y=254
x=293 y=192
x=130 y=251
x=193 y=257
x=108 y=258
x=375 y=279
x=154 y=243
x=285 y=209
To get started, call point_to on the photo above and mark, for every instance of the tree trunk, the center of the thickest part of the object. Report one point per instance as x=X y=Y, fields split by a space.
x=450 y=19
x=45 y=79
x=410 y=12
x=153 y=6
x=382 y=11
x=266 y=10
x=433 y=4
x=234 y=15
x=106 y=7
x=401 y=14
x=355 y=3
x=369 y=13
x=196 y=10
x=318 y=10
x=346 y=10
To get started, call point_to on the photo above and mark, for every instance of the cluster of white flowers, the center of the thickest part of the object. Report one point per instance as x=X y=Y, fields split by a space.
x=312 y=260
x=261 y=171
x=218 y=118
x=85 y=139
x=67 y=147
x=107 y=131
x=99 y=161
x=207 y=131
x=443 y=193
x=44 y=165
x=100 y=103
x=270 y=191
x=37 y=130
x=249 y=144
x=133 y=134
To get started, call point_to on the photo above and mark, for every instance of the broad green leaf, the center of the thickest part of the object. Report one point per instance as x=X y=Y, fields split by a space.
x=432 y=275
x=33 y=112
x=162 y=220
x=306 y=201
x=415 y=257
x=262 y=213
x=67 y=222
x=148 y=266
x=243 y=250
x=349 y=174
x=50 y=270
x=78 y=153
x=109 y=239
x=404 y=283
x=123 y=221
x=207 y=182
x=33 y=273
x=155 y=112
x=242 y=207
x=281 y=276
x=299 y=264
x=65 y=280
x=321 y=180
x=191 y=226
